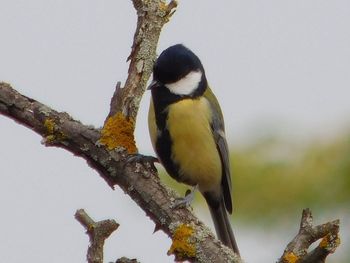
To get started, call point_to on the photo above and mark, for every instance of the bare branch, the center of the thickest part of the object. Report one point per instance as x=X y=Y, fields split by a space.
x=151 y=16
x=98 y=232
x=119 y=126
x=115 y=100
x=297 y=249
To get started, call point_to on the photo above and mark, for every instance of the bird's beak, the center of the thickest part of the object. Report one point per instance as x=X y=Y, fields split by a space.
x=153 y=84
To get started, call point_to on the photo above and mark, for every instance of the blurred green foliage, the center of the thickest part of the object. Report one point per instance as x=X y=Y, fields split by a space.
x=274 y=176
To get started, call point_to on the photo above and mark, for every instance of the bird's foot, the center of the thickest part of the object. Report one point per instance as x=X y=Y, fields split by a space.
x=185 y=201
x=145 y=160
x=137 y=157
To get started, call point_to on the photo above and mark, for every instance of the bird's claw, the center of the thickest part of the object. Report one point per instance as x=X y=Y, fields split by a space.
x=186 y=201
x=141 y=158
x=145 y=160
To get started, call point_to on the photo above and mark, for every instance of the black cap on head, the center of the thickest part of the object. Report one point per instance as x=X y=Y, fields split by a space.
x=175 y=63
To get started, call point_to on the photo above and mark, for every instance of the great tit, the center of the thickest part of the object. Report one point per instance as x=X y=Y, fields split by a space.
x=187 y=131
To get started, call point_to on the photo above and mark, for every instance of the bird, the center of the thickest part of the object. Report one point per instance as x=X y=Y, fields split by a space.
x=187 y=132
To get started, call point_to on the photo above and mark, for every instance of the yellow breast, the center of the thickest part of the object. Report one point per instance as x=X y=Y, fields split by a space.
x=194 y=148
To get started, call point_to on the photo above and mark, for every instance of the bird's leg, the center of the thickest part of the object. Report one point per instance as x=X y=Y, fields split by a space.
x=187 y=200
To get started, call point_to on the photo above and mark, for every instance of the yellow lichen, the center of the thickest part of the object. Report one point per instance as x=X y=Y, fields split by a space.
x=118 y=131
x=182 y=247
x=49 y=124
x=52 y=133
x=324 y=242
x=290 y=258
x=330 y=242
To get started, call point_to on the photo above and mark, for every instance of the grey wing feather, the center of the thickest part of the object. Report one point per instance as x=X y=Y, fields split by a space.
x=218 y=130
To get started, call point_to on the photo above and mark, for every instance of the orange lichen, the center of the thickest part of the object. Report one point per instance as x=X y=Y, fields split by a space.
x=330 y=242
x=324 y=242
x=290 y=258
x=118 y=131
x=182 y=247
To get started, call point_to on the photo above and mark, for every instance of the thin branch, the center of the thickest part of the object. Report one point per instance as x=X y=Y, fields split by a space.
x=98 y=232
x=151 y=16
x=119 y=126
x=115 y=100
x=297 y=249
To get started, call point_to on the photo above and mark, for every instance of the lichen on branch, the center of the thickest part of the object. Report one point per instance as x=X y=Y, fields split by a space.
x=118 y=131
x=182 y=245
x=297 y=249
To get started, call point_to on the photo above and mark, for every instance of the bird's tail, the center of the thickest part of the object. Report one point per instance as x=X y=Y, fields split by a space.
x=222 y=225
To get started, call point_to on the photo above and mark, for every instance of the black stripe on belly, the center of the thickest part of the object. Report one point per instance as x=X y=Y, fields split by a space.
x=162 y=98
x=163 y=148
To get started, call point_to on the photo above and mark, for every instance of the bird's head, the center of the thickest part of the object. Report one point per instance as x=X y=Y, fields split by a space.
x=180 y=71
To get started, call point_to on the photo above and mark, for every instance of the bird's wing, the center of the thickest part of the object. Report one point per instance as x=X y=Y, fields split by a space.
x=218 y=129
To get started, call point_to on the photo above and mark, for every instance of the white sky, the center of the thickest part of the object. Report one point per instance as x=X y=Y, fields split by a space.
x=281 y=65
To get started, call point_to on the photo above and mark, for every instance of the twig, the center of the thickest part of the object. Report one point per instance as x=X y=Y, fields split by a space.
x=296 y=250
x=151 y=16
x=115 y=100
x=98 y=232
x=119 y=126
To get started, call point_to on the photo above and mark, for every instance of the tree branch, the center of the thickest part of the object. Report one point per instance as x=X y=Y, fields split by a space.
x=194 y=241
x=120 y=124
x=151 y=16
x=296 y=250
x=98 y=232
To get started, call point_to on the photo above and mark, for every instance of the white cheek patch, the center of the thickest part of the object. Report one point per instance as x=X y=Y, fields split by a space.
x=187 y=84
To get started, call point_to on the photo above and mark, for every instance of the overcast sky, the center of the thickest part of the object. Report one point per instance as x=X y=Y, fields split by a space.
x=274 y=65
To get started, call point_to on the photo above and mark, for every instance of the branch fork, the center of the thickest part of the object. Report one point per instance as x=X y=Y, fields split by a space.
x=297 y=249
x=98 y=232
